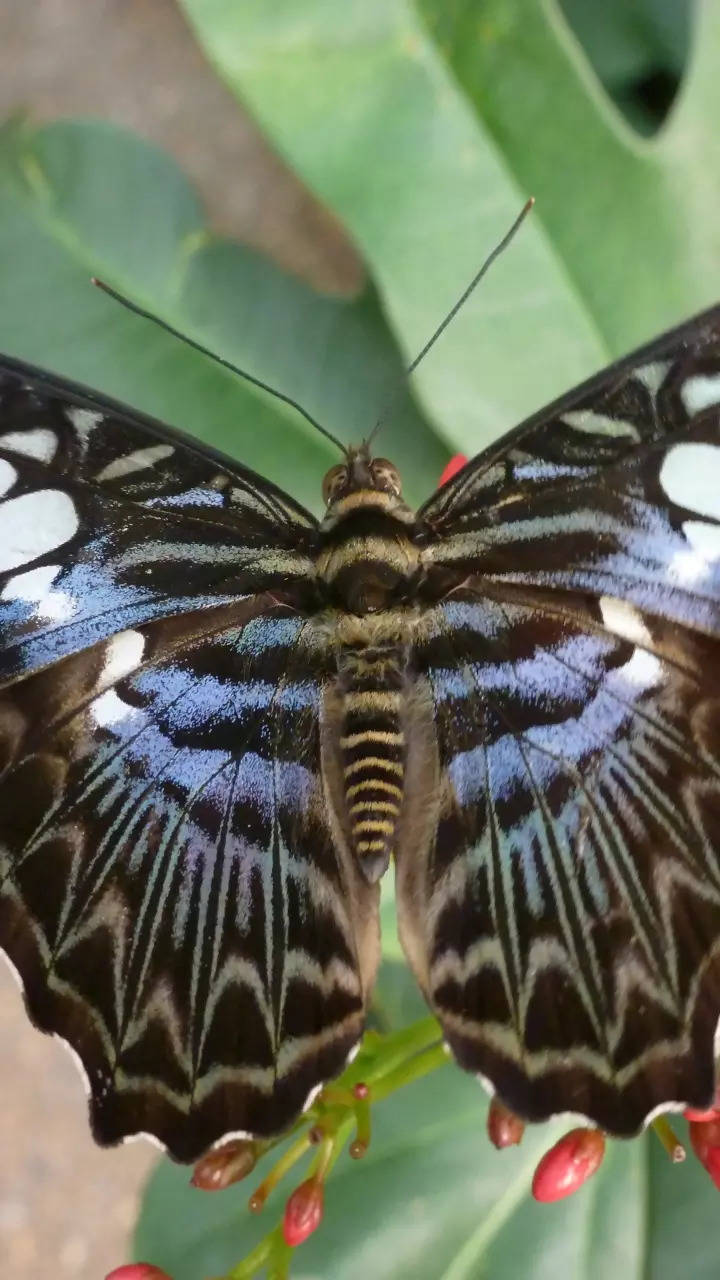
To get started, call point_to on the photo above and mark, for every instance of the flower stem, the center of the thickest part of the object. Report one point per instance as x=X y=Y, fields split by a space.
x=271 y=1247
x=394 y=1049
x=278 y=1171
x=383 y=1065
x=420 y=1065
x=669 y=1139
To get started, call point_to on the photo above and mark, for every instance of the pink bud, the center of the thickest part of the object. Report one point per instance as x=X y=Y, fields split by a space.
x=504 y=1128
x=454 y=465
x=138 y=1271
x=225 y=1165
x=303 y=1212
x=566 y=1166
x=705 y=1139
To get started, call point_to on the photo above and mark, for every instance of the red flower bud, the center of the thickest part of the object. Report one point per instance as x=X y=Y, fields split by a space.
x=504 y=1128
x=454 y=465
x=705 y=1139
x=710 y=1113
x=303 y=1211
x=701 y=1117
x=138 y=1271
x=566 y=1166
x=225 y=1165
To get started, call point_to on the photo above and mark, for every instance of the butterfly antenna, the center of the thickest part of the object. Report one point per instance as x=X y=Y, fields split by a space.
x=206 y=351
x=452 y=313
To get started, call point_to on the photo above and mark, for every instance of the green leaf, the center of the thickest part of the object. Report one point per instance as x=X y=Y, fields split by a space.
x=433 y=1200
x=628 y=40
x=80 y=199
x=361 y=104
x=633 y=221
x=426 y=134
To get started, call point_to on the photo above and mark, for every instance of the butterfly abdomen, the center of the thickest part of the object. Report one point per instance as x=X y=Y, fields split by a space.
x=372 y=746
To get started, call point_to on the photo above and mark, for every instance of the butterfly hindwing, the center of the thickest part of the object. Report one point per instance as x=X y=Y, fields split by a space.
x=171 y=891
x=569 y=898
x=565 y=917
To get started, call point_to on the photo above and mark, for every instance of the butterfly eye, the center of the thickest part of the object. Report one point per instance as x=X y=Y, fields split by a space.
x=333 y=482
x=387 y=476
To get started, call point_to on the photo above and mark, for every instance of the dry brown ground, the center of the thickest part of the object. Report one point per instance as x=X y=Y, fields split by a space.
x=66 y=1207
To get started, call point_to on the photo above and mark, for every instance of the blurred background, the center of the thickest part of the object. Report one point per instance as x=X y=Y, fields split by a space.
x=307 y=187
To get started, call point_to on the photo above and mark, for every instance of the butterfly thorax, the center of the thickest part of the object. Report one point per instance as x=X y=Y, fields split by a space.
x=367 y=563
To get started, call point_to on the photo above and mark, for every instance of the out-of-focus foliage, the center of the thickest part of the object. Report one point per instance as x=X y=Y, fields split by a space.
x=425 y=126
x=638 y=49
x=83 y=198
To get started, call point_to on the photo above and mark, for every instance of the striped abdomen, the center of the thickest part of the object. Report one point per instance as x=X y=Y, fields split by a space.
x=372 y=748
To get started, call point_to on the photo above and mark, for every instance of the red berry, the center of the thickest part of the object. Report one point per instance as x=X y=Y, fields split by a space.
x=454 y=465
x=303 y=1212
x=566 y=1166
x=504 y=1128
x=705 y=1139
x=138 y=1271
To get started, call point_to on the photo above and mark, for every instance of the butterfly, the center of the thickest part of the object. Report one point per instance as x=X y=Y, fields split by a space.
x=220 y=718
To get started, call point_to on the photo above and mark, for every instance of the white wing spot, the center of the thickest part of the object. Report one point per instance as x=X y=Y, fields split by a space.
x=598 y=423
x=124 y=655
x=34 y=524
x=624 y=620
x=703 y=538
x=109 y=710
x=84 y=421
x=140 y=460
x=652 y=375
x=8 y=476
x=40 y=443
x=35 y=587
x=643 y=670
x=700 y=392
x=690 y=476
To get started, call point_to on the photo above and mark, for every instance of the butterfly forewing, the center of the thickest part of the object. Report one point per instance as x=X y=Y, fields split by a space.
x=565 y=917
x=646 y=398
x=171 y=891
x=119 y=520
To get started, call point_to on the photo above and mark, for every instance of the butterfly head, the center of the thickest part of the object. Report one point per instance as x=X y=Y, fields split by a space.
x=362 y=480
